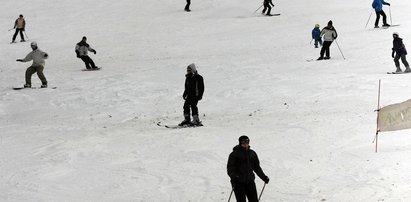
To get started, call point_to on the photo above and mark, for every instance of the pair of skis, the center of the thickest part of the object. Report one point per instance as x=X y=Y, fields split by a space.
x=180 y=126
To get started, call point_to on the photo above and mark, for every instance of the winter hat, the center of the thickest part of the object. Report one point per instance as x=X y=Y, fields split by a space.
x=317 y=25
x=33 y=44
x=395 y=34
x=330 y=23
x=193 y=67
x=243 y=139
x=84 y=37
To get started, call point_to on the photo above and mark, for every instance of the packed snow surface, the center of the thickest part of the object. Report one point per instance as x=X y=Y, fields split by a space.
x=95 y=137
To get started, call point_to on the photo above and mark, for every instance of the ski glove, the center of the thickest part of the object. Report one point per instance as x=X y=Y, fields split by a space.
x=266 y=179
x=388 y=4
x=19 y=60
x=94 y=51
x=392 y=55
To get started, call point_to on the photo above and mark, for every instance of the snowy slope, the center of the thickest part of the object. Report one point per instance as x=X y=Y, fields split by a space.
x=95 y=137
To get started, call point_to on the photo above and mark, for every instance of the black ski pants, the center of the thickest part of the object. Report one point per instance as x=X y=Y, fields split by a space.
x=267 y=8
x=190 y=103
x=88 y=61
x=403 y=60
x=188 y=5
x=21 y=34
x=326 y=49
x=243 y=190
x=384 y=17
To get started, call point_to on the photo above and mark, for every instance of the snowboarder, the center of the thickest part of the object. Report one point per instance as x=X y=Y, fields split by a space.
x=267 y=7
x=316 y=36
x=242 y=163
x=193 y=92
x=82 y=49
x=19 y=25
x=330 y=34
x=38 y=57
x=187 y=8
x=399 y=48
x=377 y=5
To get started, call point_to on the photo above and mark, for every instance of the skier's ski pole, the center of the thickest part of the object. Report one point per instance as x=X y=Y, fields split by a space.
x=339 y=49
x=26 y=35
x=261 y=192
x=369 y=18
x=311 y=41
x=258 y=8
x=390 y=14
x=10 y=29
x=231 y=194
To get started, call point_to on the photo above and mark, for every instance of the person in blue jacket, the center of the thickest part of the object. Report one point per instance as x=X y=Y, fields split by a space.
x=377 y=5
x=316 y=35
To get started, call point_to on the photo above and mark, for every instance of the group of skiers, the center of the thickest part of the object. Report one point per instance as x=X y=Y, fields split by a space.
x=38 y=57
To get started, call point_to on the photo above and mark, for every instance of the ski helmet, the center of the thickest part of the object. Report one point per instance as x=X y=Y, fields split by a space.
x=33 y=44
x=395 y=34
x=243 y=139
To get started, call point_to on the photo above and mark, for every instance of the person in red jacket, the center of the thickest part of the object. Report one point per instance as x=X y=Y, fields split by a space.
x=19 y=25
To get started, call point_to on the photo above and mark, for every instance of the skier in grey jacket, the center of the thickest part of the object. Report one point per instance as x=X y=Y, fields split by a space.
x=82 y=49
x=38 y=58
x=330 y=34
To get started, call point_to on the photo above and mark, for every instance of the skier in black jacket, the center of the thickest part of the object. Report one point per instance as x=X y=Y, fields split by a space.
x=241 y=164
x=193 y=92
x=187 y=8
x=399 y=48
x=267 y=7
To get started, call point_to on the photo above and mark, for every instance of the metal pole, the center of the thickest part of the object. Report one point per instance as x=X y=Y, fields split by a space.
x=258 y=8
x=231 y=194
x=261 y=192
x=339 y=48
x=369 y=19
x=378 y=116
x=26 y=35
x=390 y=14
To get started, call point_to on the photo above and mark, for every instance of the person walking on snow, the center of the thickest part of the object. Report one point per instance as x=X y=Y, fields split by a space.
x=399 y=48
x=82 y=49
x=377 y=5
x=330 y=34
x=241 y=165
x=193 y=92
x=316 y=36
x=38 y=58
x=19 y=25
x=267 y=7
x=187 y=8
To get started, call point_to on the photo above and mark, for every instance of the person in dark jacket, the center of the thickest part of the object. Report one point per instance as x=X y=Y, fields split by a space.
x=267 y=7
x=377 y=5
x=242 y=163
x=399 y=48
x=187 y=8
x=330 y=34
x=19 y=25
x=316 y=34
x=82 y=49
x=193 y=92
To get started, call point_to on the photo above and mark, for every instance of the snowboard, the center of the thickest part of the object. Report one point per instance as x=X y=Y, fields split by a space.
x=20 y=88
x=398 y=72
x=96 y=69
x=178 y=126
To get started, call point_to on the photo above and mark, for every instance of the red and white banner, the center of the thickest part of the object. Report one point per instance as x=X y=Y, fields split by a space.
x=395 y=117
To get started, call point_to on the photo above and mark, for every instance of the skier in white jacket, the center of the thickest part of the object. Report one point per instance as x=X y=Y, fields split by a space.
x=38 y=58
x=330 y=34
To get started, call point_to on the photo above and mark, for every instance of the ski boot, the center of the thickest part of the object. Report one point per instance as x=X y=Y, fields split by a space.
x=316 y=46
x=407 y=70
x=326 y=57
x=196 y=121
x=398 y=70
x=22 y=40
x=376 y=26
x=321 y=58
x=186 y=121
x=386 y=25
x=43 y=86
x=27 y=85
